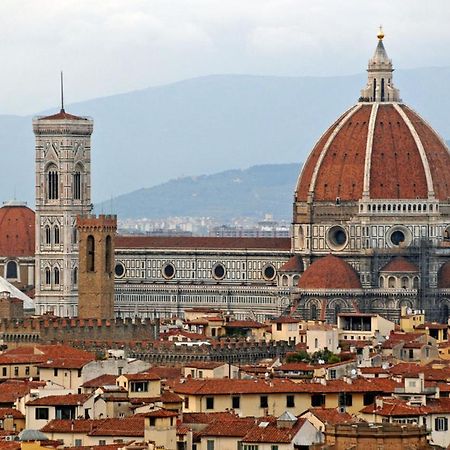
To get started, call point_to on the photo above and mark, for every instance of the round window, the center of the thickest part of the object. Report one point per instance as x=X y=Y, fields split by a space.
x=397 y=237
x=337 y=237
x=168 y=271
x=219 y=271
x=119 y=270
x=269 y=272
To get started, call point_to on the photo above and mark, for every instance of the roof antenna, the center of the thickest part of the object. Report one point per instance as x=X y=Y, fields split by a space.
x=62 y=92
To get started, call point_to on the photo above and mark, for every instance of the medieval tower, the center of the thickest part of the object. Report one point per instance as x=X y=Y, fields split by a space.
x=63 y=192
x=96 y=266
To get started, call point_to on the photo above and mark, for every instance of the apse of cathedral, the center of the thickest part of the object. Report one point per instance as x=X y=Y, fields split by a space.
x=370 y=233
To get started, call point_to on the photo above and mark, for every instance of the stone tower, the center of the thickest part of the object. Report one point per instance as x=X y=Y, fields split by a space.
x=63 y=192
x=96 y=273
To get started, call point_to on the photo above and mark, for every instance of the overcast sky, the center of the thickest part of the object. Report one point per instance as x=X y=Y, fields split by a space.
x=111 y=46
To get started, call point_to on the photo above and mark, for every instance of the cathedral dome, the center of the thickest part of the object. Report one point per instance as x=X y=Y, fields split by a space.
x=330 y=272
x=378 y=149
x=399 y=264
x=16 y=230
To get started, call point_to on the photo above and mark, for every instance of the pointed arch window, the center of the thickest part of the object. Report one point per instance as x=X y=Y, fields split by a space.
x=48 y=276
x=56 y=234
x=48 y=235
x=75 y=276
x=52 y=183
x=77 y=184
x=90 y=254
x=56 y=276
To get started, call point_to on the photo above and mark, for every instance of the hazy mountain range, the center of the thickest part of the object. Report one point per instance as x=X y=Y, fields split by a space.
x=233 y=193
x=207 y=125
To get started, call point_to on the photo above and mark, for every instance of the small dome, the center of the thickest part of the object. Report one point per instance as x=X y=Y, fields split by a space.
x=293 y=265
x=17 y=230
x=444 y=276
x=330 y=272
x=400 y=264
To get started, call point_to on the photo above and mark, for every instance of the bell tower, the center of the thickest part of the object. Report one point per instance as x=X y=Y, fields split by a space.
x=63 y=192
x=96 y=263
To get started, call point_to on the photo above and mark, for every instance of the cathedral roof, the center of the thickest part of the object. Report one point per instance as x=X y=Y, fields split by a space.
x=444 y=276
x=400 y=264
x=195 y=242
x=329 y=272
x=293 y=265
x=16 y=230
x=378 y=149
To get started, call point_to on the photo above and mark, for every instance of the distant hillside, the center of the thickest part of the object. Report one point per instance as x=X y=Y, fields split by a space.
x=233 y=193
x=210 y=124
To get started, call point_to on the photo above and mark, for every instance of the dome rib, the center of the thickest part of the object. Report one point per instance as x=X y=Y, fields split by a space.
x=369 y=146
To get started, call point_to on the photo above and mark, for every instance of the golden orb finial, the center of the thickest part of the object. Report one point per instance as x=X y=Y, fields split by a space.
x=380 y=34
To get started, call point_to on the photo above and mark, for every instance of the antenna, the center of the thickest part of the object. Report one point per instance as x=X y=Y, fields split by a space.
x=62 y=92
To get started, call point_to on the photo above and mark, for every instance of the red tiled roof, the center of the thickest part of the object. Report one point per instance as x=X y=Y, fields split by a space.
x=229 y=428
x=400 y=264
x=167 y=373
x=273 y=434
x=244 y=324
x=5 y=412
x=150 y=376
x=54 y=400
x=11 y=390
x=329 y=272
x=293 y=265
x=66 y=363
x=128 y=426
x=193 y=242
x=230 y=386
x=170 y=397
x=339 y=159
x=17 y=229
x=161 y=413
x=62 y=115
x=332 y=416
x=208 y=417
x=286 y=319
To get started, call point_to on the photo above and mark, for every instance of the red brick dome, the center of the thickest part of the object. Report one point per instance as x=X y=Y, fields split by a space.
x=330 y=272
x=16 y=230
x=444 y=276
x=384 y=150
x=400 y=264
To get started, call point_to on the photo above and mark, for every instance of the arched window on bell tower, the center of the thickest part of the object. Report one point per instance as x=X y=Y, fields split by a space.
x=52 y=182
x=48 y=278
x=90 y=254
x=77 y=183
x=56 y=234
x=48 y=235
x=56 y=276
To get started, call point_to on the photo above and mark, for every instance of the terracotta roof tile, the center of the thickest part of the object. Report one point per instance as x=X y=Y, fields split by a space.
x=54 y=400
x=18 y=230
x=332 y=416
x=193 y=242
x=293 y=265
x=400 y=264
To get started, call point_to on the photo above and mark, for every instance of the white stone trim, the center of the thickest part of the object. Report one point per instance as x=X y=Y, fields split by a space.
x=422 y=153
x=327 y=145
x=369 y=146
